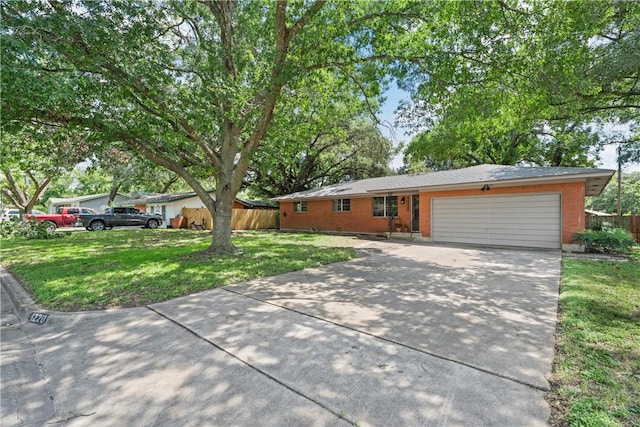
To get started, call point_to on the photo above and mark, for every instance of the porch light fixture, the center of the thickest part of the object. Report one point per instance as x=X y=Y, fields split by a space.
x=402 y=200
x=485 y=188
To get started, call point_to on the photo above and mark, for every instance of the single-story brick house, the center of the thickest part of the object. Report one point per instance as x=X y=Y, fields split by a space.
x=487 y=204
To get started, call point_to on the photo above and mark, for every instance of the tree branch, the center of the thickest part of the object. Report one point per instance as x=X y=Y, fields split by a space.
x=282 y=41
x=141 y=89
x=304 y=20
x=223 y=11
x=173 y=166
x=170 y=28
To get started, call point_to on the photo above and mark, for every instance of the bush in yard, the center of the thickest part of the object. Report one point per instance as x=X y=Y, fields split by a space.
x=10 y=229
x=16 y=228
x=607 y=240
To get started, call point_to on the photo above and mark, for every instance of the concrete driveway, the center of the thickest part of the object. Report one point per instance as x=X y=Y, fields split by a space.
x=403 y=335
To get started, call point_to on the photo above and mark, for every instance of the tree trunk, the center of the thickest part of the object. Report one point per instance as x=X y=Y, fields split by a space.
x=221 y=241
x=619 y=205
x=227 y=186
x=114 y=191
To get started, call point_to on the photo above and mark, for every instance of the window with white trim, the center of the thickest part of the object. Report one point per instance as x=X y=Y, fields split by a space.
x=300 y=206
x=342 y=205
x=385 y=206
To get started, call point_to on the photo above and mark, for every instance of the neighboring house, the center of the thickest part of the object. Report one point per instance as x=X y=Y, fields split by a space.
x=487 y=204
x=93 y=201
x=171 y=205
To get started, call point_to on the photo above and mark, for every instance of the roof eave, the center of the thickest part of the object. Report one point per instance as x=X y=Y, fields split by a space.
x=501 y=182
x=323 y=197
x=591 y=189
x=594 y=189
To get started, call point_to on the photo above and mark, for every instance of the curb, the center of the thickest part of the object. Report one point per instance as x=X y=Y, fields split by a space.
x=22 y=302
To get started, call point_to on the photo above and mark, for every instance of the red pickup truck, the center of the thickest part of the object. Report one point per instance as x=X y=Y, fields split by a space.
x=66 y=217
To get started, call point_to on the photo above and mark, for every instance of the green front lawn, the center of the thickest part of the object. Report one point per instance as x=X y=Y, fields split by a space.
x=125 y=268
x=596 y=378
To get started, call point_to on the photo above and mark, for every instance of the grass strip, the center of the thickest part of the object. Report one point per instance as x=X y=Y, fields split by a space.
x=596 y=378
x=135 y=267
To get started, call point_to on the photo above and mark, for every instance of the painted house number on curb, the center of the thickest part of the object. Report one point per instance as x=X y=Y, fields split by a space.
x=38 y=318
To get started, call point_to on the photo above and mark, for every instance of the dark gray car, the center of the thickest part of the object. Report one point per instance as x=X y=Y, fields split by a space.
x=121 y=217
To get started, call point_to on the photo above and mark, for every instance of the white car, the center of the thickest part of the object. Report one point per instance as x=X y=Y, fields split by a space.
x=11 y=212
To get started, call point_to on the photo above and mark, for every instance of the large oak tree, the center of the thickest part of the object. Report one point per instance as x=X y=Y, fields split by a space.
x=192 y=86
x=535 y=82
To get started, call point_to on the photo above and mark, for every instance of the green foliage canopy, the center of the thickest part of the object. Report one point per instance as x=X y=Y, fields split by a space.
x=191 y=86
x=34 y=155
x=318 y=140
x=607 y=201
x=523 y=82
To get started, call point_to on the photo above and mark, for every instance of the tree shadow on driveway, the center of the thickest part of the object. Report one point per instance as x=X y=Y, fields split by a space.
x=495 y=309
x=467 y=335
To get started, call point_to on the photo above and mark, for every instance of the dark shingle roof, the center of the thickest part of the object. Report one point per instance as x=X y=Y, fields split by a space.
x=258 y=204
x=596 y=179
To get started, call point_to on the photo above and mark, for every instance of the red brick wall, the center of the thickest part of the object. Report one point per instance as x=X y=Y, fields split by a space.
x=320 y=215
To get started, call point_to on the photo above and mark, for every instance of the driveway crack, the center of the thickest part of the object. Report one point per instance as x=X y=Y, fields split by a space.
x=388 y=340
x=340 y=415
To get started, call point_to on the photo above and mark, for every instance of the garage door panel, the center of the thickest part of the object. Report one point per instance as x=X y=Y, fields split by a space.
x=514 y=235
x=473 y=241
x=518 y=233
x=544 y=229
x=515 y=220
x=464 y=228
x=474 y=234
x=523 y=219
x=537 y=209
x=541 y=244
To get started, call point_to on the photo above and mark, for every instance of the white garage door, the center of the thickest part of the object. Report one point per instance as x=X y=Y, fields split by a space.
x=511 y=220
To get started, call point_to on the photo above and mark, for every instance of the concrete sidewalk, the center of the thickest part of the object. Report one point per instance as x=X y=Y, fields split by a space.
x=350 y=343
x=24 y=397
x=135 y=367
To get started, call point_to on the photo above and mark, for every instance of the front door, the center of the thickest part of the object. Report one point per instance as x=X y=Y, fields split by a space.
x=415 y=213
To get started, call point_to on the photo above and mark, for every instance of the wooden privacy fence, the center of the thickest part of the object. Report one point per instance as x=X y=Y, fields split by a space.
x=198 y=217
x=630 y=222
x=255 y=219
x=241 y=219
